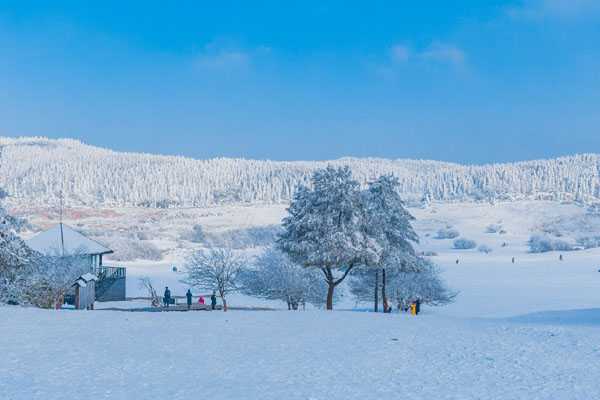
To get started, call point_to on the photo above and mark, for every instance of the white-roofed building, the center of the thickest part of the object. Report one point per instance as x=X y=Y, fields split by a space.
x=62 y=240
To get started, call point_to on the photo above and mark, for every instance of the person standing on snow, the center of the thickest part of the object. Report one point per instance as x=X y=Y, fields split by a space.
x=188 y=296
x=167 y=297
x=213 y=300
x=201 y=300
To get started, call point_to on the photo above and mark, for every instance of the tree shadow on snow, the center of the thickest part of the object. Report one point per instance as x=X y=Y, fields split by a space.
x=590 y=316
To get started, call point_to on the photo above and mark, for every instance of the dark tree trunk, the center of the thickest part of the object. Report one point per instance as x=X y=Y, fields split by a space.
x=332 y=283
x=376 y=304
x=383 y=295
x=330 y=290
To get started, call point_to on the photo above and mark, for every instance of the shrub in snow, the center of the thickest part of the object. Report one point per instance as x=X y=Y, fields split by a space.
x=430 y=253
x=561 y=245
x=589 y=242
x=464 y=244
x=484 y=249
x=447 y=233
x=276 y=277
x=543 y=244
x=59 y=273
x=493 y=228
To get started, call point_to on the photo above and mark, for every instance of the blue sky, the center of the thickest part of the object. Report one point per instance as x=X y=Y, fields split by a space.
x=464 y=80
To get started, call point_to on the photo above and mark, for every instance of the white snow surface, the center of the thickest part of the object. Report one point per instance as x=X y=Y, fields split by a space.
x=292 y=355
x=522 y=330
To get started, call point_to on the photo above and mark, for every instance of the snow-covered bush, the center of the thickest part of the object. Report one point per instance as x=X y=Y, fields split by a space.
x=130 y=250
x=429 y=253
x=543 y=244
x=57 y=274
x=276 y=277
x=493 y=228
x=589 y=242
x=464 y=244
x=484 y=249
x=447 y=233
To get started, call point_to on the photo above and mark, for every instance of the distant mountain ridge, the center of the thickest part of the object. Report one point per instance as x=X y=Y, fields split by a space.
x=36 y=169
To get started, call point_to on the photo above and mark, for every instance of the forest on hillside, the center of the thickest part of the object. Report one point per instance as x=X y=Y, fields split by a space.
x=38 y=170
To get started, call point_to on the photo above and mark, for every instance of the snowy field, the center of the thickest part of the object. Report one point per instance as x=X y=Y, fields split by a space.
x=522 y=330
x=49 y=355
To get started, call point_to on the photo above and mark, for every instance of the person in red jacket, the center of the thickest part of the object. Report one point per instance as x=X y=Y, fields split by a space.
x=201 y=300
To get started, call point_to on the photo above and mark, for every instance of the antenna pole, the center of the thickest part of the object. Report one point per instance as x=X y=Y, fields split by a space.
x=62 y=238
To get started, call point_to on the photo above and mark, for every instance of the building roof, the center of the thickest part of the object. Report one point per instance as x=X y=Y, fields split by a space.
x=62 y=239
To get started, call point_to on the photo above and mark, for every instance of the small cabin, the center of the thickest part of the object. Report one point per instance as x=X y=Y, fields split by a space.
x=85 y=292
x=62 y=240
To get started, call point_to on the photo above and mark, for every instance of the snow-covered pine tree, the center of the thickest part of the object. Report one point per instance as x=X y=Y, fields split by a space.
x=276 y=277
x=389 y=228
x=324 y=228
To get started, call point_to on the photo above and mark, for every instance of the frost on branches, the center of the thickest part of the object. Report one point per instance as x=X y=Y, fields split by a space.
x=389 y=228
x=325 y=227
x=276 y=277
x=17 y=261
x=422 y=283
x=216 y=269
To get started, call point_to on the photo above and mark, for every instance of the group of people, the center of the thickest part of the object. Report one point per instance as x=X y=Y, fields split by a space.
x=168 y=299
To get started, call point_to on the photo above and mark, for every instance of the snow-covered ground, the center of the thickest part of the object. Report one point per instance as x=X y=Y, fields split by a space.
x=522 y=330
x=48 y=355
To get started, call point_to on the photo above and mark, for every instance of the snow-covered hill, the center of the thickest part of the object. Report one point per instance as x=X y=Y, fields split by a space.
x=36 y=170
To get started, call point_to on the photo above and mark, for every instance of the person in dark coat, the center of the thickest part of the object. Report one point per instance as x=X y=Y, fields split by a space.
x=188 y=296
x=418 y=306
x=167 y=296
x=213 y=300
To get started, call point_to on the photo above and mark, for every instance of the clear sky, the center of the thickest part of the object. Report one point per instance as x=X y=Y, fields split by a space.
x=469 y=81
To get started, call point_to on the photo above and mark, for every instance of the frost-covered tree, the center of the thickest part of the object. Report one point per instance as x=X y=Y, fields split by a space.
x=18 y=263
x=215 y=269
x=58 y=272
x=365 y=280
x=276 y=277
x=423 y=283
x=388 y=228
x=325 y=228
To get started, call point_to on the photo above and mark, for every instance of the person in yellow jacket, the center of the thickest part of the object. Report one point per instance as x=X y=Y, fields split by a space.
x=413 y=308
